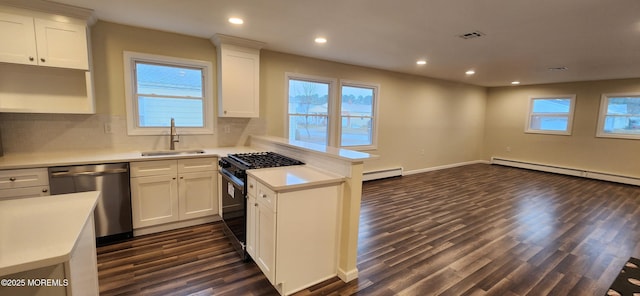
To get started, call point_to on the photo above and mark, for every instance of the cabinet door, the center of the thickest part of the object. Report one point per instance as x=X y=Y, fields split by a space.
x=239 y=86
x=266 y=241
x=25 y=192
x=62 y=45
x=197 y=195
x=252 y=209
x=154 y=200
x=18 y=39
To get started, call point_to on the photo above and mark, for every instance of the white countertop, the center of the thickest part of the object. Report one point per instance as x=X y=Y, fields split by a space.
x=297 y=177
x=71 y=157
x=42 y=231
x=339 y=153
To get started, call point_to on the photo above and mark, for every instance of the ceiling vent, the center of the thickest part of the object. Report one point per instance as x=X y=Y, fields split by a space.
x=471 y=35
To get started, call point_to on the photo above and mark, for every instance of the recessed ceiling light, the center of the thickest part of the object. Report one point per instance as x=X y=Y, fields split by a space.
x=470 y=72
x=321 y=40
x=515 y=82
x=421 y=62
x=236 y=21
x=558 y=69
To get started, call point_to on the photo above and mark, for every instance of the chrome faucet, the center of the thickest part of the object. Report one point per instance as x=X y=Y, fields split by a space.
x=173 y=137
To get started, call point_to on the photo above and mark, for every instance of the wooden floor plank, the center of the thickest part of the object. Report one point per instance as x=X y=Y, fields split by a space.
x=471 y=230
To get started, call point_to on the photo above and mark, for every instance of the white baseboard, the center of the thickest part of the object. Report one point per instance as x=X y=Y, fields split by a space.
x=381 y=174
x=347 y=276
x=175 y=225
x=567 y=171
x=442 y=167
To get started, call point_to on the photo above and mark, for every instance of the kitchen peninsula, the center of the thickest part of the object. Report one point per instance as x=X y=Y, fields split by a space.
x=48 y=245
x=341 y=168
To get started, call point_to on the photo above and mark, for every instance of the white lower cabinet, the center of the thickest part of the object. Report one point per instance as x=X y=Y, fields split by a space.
x=23 y=183
x=166 y=191
x=293 y=235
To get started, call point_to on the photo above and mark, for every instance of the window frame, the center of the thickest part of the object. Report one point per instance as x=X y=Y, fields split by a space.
x=374 y=114
x=131 y=58
x=570 y=115
x=331 y=104
x=602 y=114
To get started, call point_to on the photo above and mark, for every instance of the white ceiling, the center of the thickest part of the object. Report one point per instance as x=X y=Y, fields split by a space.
x=594 y=39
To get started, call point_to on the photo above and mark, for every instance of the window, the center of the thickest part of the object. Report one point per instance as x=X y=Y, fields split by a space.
x=357 y=114
x=315 y=115
x=551 y=115
x=309 y=108
x=159 y=88
x=619 y=116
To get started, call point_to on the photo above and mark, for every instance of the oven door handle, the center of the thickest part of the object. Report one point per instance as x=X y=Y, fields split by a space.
x=232 y=179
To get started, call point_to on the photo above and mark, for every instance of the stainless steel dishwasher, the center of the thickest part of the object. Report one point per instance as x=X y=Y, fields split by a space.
x=113 y=210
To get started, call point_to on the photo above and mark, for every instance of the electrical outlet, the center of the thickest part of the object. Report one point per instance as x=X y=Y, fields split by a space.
x=508 y=149
x=107 y=128
x=226 y=129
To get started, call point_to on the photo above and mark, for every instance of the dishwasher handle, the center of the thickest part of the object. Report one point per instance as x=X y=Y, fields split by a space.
x=61 y=174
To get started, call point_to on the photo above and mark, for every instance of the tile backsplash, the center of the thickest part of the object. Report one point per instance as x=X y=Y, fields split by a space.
x=32 y=133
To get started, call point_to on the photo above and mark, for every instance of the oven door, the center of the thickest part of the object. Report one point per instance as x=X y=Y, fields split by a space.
x=234 y=205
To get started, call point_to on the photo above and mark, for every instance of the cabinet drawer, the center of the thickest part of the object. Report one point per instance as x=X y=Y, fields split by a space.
x=24 y=192
x=192 y=165
x=252 y=186
x=23 y=178
x=267 y=197
x=153 y=168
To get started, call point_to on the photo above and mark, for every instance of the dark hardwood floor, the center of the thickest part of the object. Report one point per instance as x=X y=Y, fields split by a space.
x=472 y=230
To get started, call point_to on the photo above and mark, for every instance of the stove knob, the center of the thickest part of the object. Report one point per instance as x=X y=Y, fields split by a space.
x=224 y=164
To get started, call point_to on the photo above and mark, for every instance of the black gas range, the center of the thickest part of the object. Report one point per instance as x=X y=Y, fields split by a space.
x=233 y=170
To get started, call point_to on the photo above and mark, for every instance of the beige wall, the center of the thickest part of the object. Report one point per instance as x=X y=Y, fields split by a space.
x=445 y=119
x=506 y=117
x=110 y=40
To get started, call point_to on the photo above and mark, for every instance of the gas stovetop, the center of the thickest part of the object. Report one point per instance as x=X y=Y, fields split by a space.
x=260 y=160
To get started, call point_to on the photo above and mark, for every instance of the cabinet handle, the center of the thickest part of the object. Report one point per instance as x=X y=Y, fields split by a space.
x=225 y=111
x=181 y=178
x=174 y=178
x=264 y=196
x=31 y=59
x=255 y=205
x=12 y=179
x=250 y=185
x=42 y=60
x=45 y=190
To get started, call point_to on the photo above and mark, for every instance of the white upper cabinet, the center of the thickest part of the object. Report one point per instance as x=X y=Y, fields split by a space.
x=61 y=45
x=43 y=42
x=20 y=30
x=238 y=76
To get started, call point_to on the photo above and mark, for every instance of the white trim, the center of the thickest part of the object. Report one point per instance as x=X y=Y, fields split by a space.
x=332 y=82
x=381 y=174
x=175 y=225
x=567 y=132
x=129 y=59
x=374 y=117
x=567 y=171
x=442 y=167
x=602 y=113
x=347 y=276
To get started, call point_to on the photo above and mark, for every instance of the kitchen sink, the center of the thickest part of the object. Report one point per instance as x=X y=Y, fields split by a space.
x=171 y=152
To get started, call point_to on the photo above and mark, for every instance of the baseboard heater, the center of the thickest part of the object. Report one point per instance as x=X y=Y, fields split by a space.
x=381 y=174
x=566 y=171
